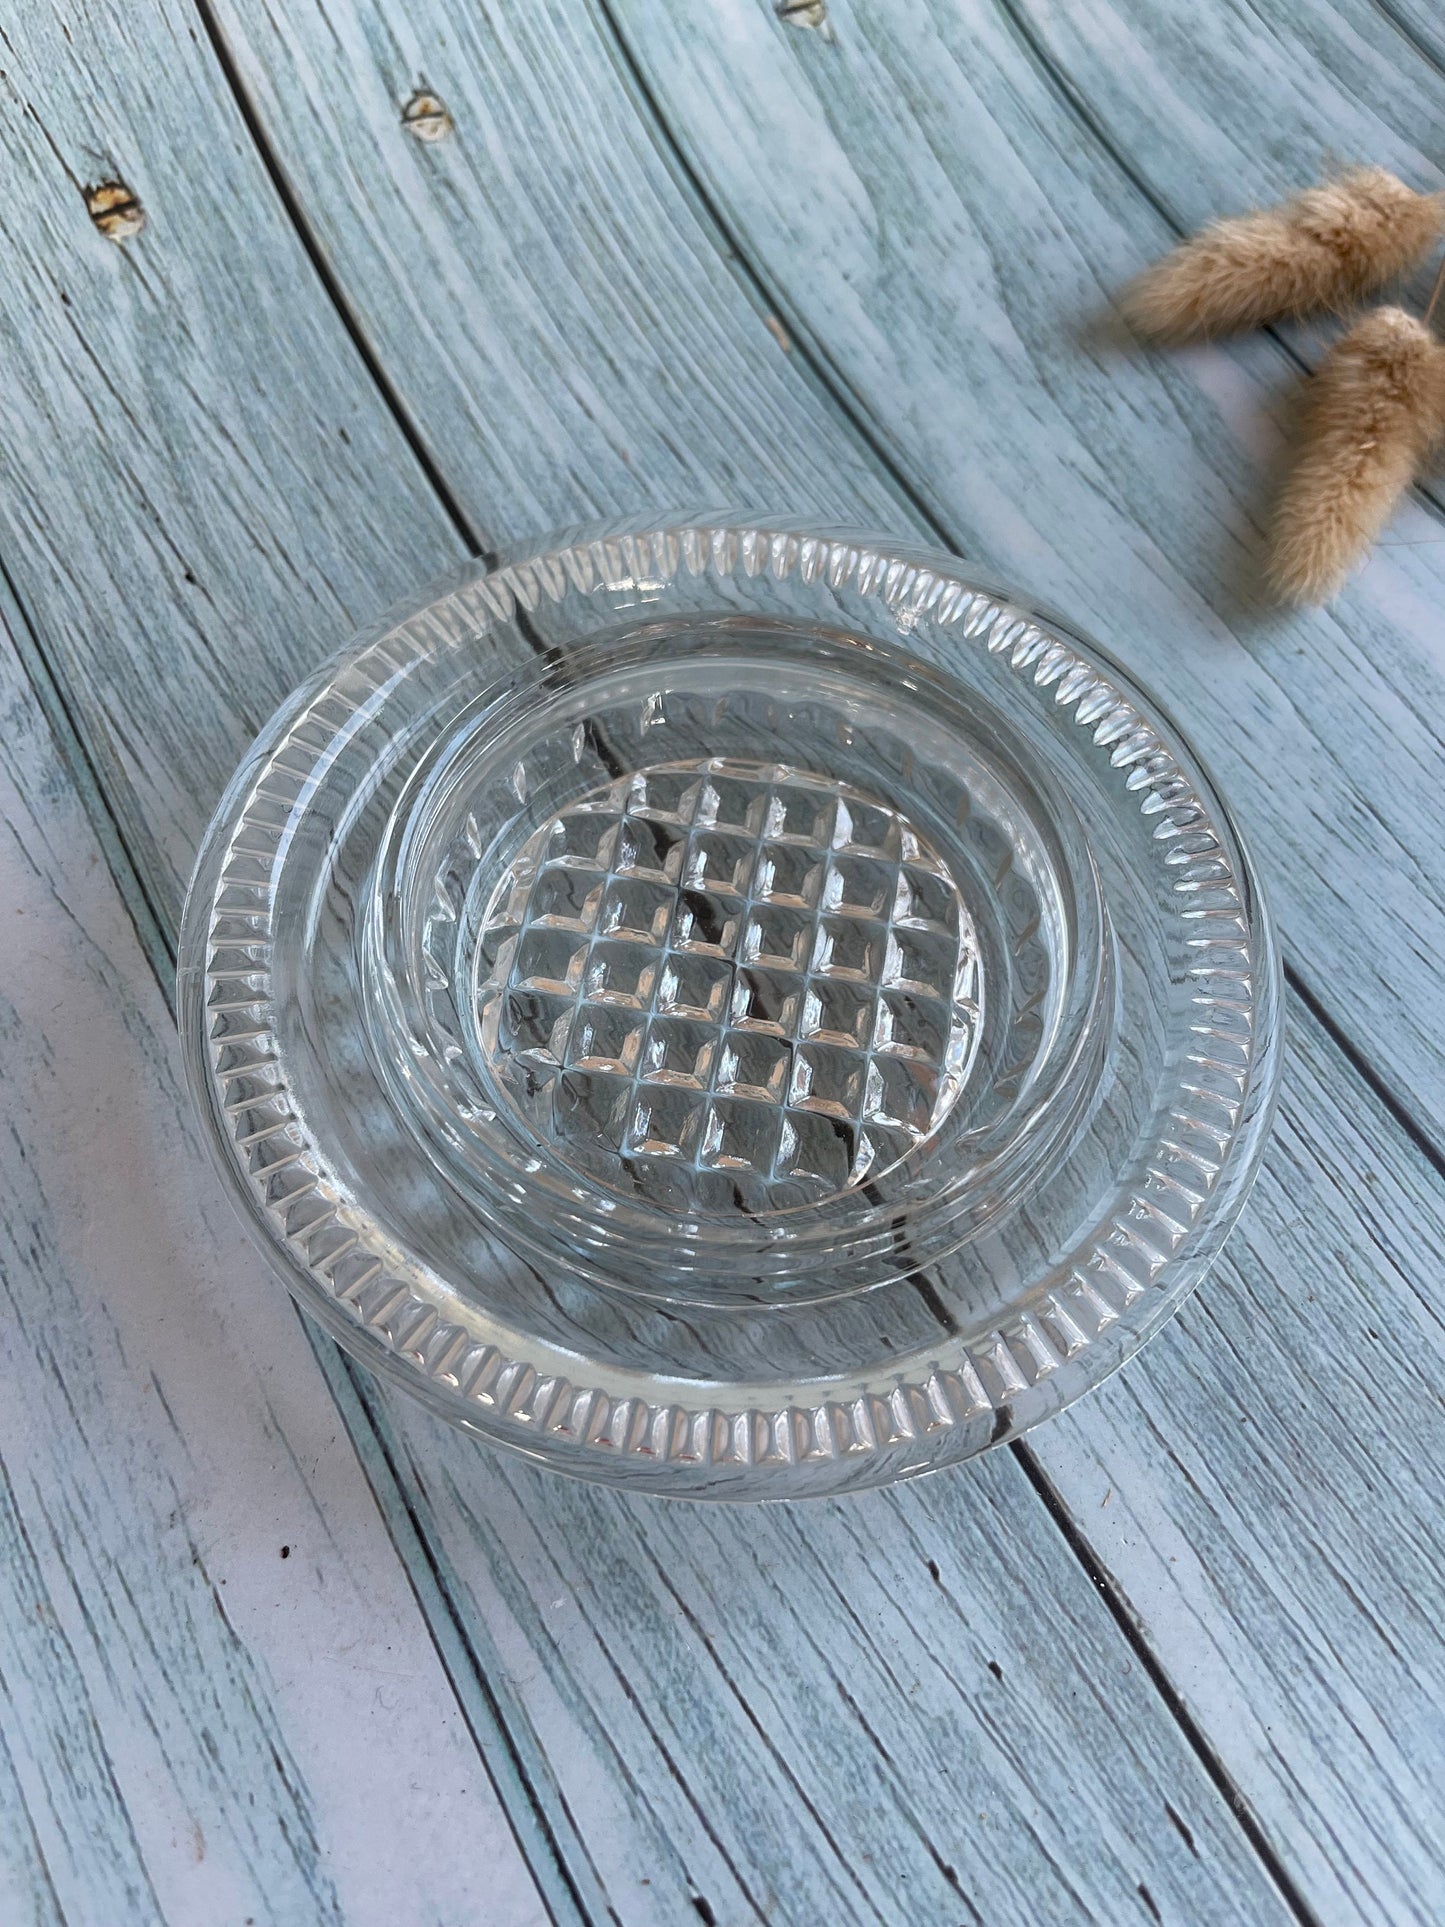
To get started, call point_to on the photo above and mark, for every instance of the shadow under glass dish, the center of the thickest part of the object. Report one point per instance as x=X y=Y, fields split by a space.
x=776 y=1017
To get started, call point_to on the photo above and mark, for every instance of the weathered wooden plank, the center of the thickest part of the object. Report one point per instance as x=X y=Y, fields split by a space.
x=1182 y=93
x=1246 y=1482
x=939 y=227
x=866 y=1711
x=1418 y=24
x=1237 y=396
x=162 y=462
x=252 y=420
x=27 y=1893
x=1259 y=1485
x=205 y=412
x=235 y=469
x=1284 y=1556
x=549 y=310
x=220 y=1699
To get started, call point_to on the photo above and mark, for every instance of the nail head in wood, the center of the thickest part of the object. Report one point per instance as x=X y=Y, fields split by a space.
x=425 y=117
x=115 y=210
x=806 y=13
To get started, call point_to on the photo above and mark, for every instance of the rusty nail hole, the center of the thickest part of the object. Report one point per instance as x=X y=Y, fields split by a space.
x=425 y=118
x=115 y=210
x=806 y=13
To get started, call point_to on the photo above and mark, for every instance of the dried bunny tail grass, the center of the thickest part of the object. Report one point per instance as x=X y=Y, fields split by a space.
x=1327 y=247
x=1374 y=409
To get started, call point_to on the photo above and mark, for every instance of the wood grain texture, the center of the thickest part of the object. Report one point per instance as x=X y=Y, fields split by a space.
x=942 y=228
x=1245 y=1482
x=1284 y=1555
x=1179 y=93
x=550 y=311
x=213 y=402
x=697 y=1698
x=203 y=1626
x=1418 y=25
x=257 y=447
x=1304 y=1774
x=183 y=423
x=1259 y=1486
x=880 y=1709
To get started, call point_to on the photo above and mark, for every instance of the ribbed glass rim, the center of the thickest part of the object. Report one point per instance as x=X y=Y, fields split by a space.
x=701 y=1437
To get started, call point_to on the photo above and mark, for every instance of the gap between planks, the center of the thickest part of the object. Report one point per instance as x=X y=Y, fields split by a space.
x=458 y=1658
x=501 y=1758
x=730 y=248
x=769 y=305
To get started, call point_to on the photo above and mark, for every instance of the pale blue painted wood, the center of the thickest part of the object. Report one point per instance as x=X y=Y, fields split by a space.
x=557 y=319
x=1180 y=91
x=1418 y=24
x=169 y=459
x=1256 y=1483
x=218 y=1699
x=178 y=535
x=1285 y=1555
x=878 y=1709
x=237 y=464
x=935 y=220
x=1260 y=1487
x=383 y=306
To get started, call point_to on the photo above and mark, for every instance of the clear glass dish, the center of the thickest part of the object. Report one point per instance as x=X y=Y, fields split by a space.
x=731 y=1010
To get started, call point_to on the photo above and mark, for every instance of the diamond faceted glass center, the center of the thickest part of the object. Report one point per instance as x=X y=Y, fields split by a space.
x=728 y=985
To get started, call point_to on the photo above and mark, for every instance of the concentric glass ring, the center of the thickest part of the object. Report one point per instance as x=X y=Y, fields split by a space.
x=731 y=1009
x=727 y=1027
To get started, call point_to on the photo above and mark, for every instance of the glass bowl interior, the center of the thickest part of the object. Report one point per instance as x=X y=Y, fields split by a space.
x=741 y=961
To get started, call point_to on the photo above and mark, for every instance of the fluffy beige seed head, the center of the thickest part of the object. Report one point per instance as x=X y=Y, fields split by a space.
x=1374 y=410
x=1324 y=249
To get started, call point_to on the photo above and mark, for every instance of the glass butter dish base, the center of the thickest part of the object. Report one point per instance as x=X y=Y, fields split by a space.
x=731 y=1010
